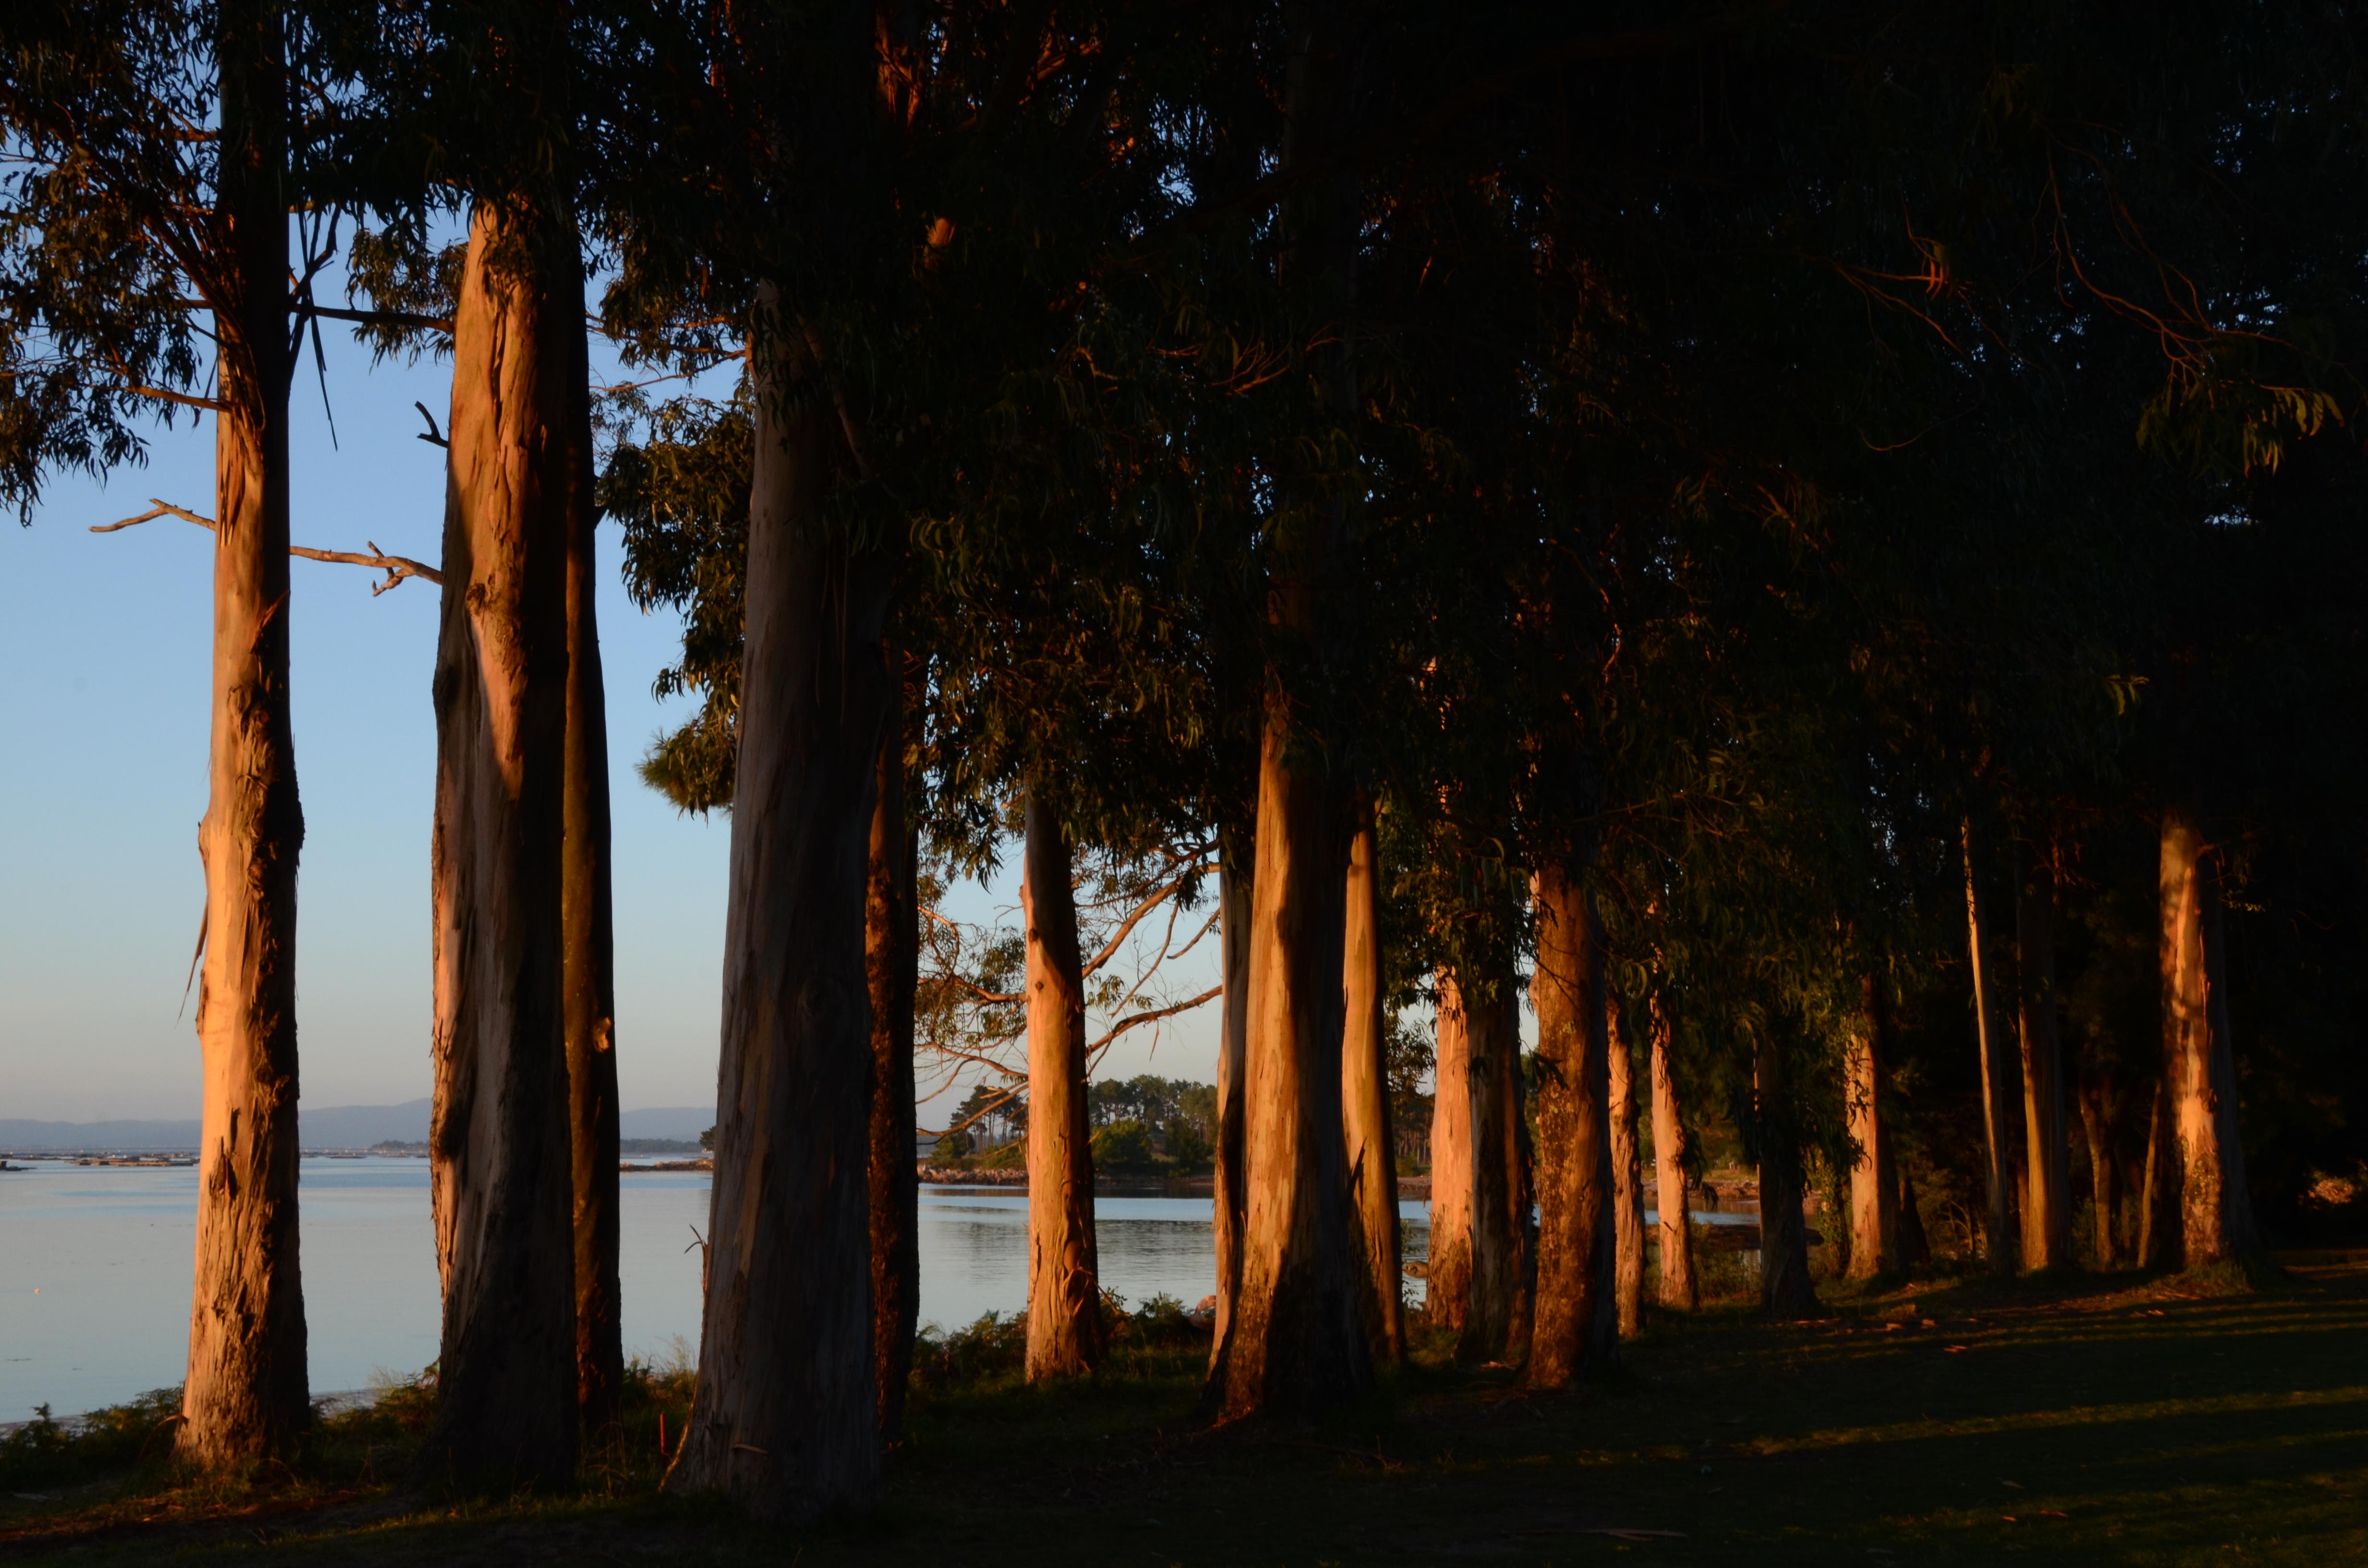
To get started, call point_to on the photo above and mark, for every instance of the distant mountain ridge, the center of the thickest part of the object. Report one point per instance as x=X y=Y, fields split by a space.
x=328 y=1127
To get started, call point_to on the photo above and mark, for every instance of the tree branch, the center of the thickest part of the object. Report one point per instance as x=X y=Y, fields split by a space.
x=1155 y=1016
x=396 y=567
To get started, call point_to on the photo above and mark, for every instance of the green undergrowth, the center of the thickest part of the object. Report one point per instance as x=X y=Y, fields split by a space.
x=2121 y=1418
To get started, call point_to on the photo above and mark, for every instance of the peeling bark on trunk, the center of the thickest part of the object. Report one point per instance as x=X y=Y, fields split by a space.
x=1627 y=1178
x=1064 y=1322
x=1576 y=1324
x=2101 y=1124
x=784 y=1417
x=1785 y=1287
x=1678 y=1287
x=2046 y=1205
x=588 y=913
x=892 y=957
x=1234 y=886
x=2214 y=1200
x=246 y=1393
x=1874 y=1185
x=2000 y=1169
x=500 y=1151
x=1365 y=1097
x=1481 y=1241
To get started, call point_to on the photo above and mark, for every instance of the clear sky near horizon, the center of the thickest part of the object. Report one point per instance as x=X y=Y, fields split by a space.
x=105 y=643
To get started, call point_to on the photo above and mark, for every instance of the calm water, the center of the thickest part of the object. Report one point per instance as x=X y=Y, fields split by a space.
x=95 y=1269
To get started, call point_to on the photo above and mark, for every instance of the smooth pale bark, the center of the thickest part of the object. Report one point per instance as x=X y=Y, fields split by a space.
x=1232 y=1184
x=784 y=1415
x=1785 y=1287
x=1873 y=1184
x=1678 y=1287
x=1480 y=1276
x=588 y=916
x=1295 y=1340
x=2001 y=1169
x=2047 y=1189
x=2100 y=1117
x=1576 y=1324
x=499 y=1146
x=1627 y=1178
x=1065 y=1323
x=892 y=957
x=1365 y=1096
x=2214 y=1200
x=246 y=1394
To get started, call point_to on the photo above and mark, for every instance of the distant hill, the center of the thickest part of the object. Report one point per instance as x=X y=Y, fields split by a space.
x=327 y=1127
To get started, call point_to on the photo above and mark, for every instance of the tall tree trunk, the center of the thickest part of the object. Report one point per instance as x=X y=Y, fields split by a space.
x=1455 y=1165
x=500 y=1150
x=2000 y=1169
x=2100 y=1122
x=1480 y=1236
x=246 y=1396
x=1785 y=1288
x=1295 y=1340
x=2159 y=1240
x=588 y=916
x=1576 y=1326
x=1915 y=1246
x=1065 y=1323
x=2216 y=1201
x=2047 y=1206
x=892 y=957
x=1234 y=887
x=1874 y=1185
x=1627 y=1178
x=1678 y=1289
x=784 y=1415
x=1365 y=1094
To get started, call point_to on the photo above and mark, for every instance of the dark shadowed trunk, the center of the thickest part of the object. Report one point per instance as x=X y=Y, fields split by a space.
x=1365 y=1094
x=2000 y=1169
x=2159 y=1225
x=2100 y=1122
x=587 y=912
x=245 y=1397
x=1627 y=1178
x=892 y=957
x=783 y=1417
x=2047 y=1192
x=1874 y=1185
x=2214 y=1200
x=501 y=1154
x=1915 y=1246
x=1785 y=1288
x=1677 y=1284
x=1232 y=1177
x=1576 y=1324
x=1064 y=1322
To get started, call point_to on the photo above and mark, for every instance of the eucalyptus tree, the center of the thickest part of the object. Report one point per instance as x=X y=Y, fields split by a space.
x=158 y=151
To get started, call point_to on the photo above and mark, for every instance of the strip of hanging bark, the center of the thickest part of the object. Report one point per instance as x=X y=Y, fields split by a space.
x=2214 y=1200
x=1365 y=1096
x=1627 y=1177
x=1065 y=1323
x=2001 y=1169
x=1873 y=1184
x=2047 y=1190
x=500 y=1152
x=245 y=1397
x=892 y=957
x=784 y=1415
x=1233 y=893
x=1576 y=1324
x=1678 y=1289
x=1785 y=1287
x=588 y=910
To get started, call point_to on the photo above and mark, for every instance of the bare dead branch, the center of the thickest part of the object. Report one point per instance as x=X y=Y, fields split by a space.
x=1155 y=1016
x=433 y=438
x=396 y=567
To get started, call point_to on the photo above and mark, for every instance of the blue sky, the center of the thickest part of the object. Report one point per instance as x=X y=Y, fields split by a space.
x=104 y=640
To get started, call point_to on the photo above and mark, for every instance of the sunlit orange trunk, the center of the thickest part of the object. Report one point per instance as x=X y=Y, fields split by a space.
x=1064 y=1325
x=1365 y=1096
x=2001 y=1169
x=2214 y=1200
x=1479 y=1277
x=1677 y=1287
x=2047 y=1189
x=1627 y=1178
x=245 y=1397
x=1874 y=1183
x=501 y=1156
x=1576 y=1324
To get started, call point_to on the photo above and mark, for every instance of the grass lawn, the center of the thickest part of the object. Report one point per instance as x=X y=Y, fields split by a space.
x=2091 y=1419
